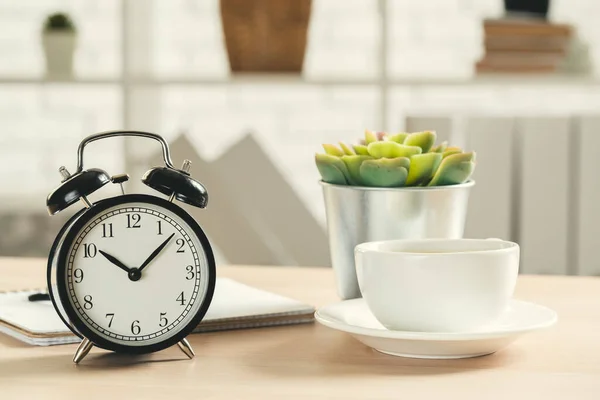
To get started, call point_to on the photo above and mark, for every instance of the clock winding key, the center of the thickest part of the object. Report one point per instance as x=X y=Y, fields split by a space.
x=120 y=179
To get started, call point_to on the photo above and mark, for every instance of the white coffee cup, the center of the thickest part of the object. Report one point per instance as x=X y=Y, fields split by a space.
x=437 y=285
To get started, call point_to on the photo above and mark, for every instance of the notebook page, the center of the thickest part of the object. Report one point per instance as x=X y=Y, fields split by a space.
x=232 y=301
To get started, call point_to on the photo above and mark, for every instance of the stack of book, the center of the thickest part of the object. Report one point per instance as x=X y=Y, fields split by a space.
x=524 y=45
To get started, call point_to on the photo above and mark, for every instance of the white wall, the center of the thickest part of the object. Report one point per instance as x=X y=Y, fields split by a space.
x=429 y=40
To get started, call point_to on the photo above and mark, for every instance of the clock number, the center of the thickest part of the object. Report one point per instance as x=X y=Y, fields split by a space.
x=78 y=274
x=135 y=328
x=107 y=230
x=159 y=227
x=190 y=272
x=111 y=316
x=181 y=299
x=180 y=242
x=89 y=250
x=87 y=302
x=163 y=320
x=133 y=220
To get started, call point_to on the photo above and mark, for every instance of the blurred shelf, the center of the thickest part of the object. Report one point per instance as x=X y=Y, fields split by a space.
x=255 y=79
x=503 y=79
x=7 y=80
x=244 y=79
x=295 y=79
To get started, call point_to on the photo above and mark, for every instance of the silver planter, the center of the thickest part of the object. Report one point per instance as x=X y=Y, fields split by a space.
x=357 y=214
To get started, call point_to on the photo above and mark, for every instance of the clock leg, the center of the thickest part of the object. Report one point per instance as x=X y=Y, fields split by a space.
x=84 y=348
x=185 y=346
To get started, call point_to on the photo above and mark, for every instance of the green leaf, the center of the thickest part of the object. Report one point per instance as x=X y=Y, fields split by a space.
x=409 y=151
x=422 y=168
x=353 y=164
x=385 y=172
x=388 y=149
x=370 y=136
x=332 y=169
x=454 y=169
x=385 y=149
x=424 y=140
x=361 y=149
x=347 y=149
x=440 y=148
x=398 y=137
x=333 y=150
x=451 y=150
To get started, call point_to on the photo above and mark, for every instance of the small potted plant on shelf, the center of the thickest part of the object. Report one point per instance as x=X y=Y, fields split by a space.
x=399 y=186
x=527 y=8
x=59 y=41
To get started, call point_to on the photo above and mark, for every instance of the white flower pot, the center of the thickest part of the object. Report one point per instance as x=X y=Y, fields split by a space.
x=59 y=48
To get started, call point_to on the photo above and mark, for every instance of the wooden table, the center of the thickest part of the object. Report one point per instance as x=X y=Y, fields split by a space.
x=314 y=361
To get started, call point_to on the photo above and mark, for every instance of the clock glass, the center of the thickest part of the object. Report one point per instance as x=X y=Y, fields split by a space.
x=135 y=273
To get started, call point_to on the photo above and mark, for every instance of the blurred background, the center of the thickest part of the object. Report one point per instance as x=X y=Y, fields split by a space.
x=248 y=90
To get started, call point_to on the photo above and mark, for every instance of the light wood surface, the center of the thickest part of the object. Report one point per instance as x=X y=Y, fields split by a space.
x=312 y=361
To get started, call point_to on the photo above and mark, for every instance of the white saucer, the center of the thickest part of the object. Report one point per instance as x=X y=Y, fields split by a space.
x=354 y=317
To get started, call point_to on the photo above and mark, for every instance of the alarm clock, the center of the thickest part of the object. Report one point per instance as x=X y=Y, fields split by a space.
x=133 y=273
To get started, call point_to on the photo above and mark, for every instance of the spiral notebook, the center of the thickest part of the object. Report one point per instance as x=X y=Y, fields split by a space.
x=234 y=306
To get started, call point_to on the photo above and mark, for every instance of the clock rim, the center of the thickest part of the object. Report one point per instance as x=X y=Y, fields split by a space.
x=50 y=266
x=71 y=236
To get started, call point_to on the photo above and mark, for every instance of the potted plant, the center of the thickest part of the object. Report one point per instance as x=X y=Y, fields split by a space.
x=529 y=8
x=265 y=35
x=59 y=41
x=397 y=186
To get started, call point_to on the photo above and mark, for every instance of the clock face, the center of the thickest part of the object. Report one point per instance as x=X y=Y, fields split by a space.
x=136 y=274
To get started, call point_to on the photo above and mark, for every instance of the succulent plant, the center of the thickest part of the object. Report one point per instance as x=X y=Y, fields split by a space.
x=397 y=160
x=59 y=22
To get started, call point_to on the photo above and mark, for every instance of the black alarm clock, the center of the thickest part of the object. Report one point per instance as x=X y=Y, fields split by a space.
x=132 y=273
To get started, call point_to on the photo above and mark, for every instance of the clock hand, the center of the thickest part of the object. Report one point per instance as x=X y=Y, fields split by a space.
x=155 y=253
x=115 y=261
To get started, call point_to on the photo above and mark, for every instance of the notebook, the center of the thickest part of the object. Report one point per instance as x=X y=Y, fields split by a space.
x=234 y=306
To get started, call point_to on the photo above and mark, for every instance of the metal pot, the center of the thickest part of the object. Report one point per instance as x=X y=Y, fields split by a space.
x=357 y=214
